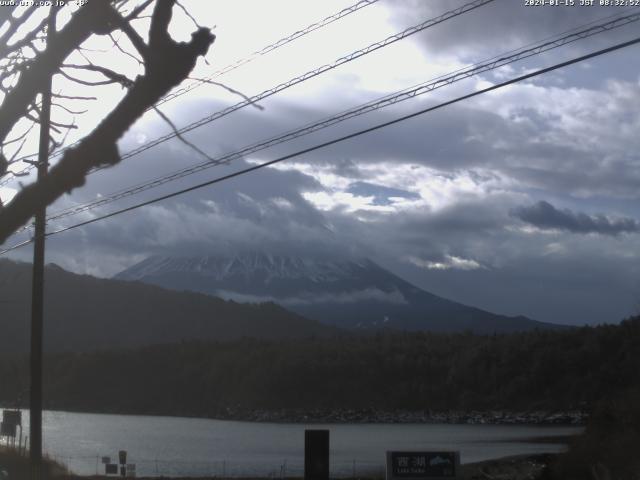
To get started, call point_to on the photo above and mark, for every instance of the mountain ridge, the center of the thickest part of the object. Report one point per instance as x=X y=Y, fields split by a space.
x=84 y=313
x=354 y=293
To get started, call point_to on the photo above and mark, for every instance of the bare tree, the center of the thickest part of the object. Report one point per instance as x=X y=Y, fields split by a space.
x=25 y=65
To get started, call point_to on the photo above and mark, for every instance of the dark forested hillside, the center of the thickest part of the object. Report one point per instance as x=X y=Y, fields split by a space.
x=84 y=313
x=541 y=369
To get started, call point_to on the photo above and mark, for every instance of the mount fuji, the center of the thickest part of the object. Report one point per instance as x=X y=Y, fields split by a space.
x=354 y=294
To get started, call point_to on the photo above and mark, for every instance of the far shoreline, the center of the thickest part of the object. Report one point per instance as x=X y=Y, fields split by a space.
x=369 y=416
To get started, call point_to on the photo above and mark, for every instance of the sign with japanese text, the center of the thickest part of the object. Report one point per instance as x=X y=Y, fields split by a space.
x=422 y=465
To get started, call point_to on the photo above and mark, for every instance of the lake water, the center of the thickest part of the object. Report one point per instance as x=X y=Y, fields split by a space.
x=201 y=447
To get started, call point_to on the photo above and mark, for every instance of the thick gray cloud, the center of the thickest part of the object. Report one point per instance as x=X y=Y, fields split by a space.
x=576 y=141
x=381 y=195
x=562 y=289
x=438 y=199
x=578 y=145
x=545 y=216
x=502 y=25
x=465 y=145
x=478 y=254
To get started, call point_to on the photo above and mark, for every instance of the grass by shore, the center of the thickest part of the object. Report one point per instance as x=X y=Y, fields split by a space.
x=521 y=467
x=16 y=465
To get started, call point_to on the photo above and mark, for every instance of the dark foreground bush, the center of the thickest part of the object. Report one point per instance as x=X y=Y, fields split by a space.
x=610 y=446
x=18 y=468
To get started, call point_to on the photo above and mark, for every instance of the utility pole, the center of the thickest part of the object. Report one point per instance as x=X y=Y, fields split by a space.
x=37 y=290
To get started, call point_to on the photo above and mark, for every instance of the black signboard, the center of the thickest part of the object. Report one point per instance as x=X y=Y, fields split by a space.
x=316 y=454
x=414 y=465
x=12 y=416
x=8 y=429
x=122 y=457
x=111 y=469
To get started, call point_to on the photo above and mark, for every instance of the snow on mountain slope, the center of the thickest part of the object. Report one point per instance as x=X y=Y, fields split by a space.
x=248 y=265
x=347 y=293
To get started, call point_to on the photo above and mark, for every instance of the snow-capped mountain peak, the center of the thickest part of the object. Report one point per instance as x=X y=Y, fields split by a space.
x=352 y=293
x=247 y=265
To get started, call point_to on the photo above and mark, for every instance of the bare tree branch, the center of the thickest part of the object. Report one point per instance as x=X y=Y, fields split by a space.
x=15 y=154
x=36 y=108
x=64 y=139
x=231 y=90
x=4 y=164
x=14 y=25
x=84 y=82
x=68 y=110
x=138 y=10
x=17 y=139
x=179 y=135
x=186 y=12
x=95 y=16
x=71 y=97
x=167 y=64
x=134 y=38
x=116 y=44
x=26 y=40
x=110 y=74
x=159 y=31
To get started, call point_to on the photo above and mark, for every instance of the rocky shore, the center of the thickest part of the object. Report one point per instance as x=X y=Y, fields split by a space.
x=571 y=417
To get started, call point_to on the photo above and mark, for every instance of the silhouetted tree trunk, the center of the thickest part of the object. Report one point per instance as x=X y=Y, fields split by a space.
x=166 y=64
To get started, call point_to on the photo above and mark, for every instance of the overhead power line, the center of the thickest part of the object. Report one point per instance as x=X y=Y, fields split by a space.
x=269 y=48
x=378 y=104
x=340 y=139
x=313 y=73
x=17 y=246
x=306 y=76
x=234 y=65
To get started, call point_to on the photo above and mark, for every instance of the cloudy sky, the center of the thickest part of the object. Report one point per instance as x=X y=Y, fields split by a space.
x=520 y=201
